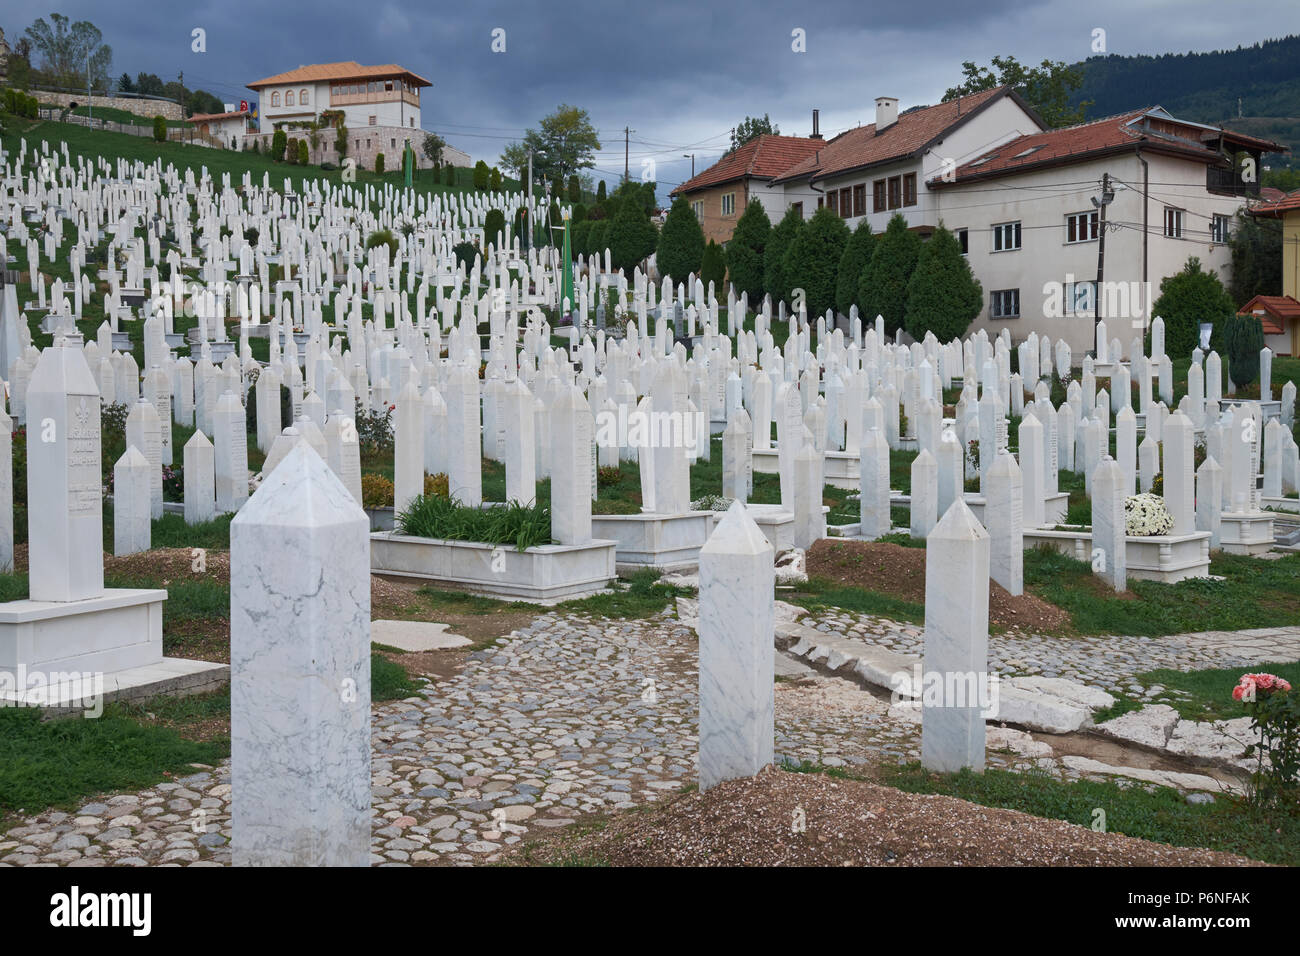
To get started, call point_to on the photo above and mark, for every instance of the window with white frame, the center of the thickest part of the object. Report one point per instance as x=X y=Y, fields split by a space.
x=729 y=204
x=1080 y=297
x=1005 y=304
x=1081 y=226
x=1006 y=236
x=698 y=209
x=1219 y=229
x=1173 y=223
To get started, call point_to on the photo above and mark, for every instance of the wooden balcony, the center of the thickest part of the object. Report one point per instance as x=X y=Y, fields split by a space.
x=380 y=96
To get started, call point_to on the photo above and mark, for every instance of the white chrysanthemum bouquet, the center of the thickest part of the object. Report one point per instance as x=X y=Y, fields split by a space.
x=1146 y=515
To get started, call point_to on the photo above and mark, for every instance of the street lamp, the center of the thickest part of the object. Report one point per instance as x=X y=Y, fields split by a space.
x=691 y=157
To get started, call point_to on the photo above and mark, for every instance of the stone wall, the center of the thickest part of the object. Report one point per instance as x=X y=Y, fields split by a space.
x=364 y=144
x=140 y=107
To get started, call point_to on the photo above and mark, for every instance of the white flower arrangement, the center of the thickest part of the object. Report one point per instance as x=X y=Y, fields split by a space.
x=1146 y=516
x=712 y=503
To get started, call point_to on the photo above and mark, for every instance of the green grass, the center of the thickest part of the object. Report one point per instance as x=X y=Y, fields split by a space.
x=1254 y=593
x=458 y=602
x=390 y=681
x=819 y=593
x=171 y=531
x=1161 y=815
x=1207 y=694
x=435 y=516
x=57 y=762
x=641 y=595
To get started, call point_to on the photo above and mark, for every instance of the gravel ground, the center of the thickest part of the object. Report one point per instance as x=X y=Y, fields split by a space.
x=790 y=819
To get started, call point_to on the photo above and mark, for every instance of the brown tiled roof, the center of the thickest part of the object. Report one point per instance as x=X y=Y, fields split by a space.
x=911 y=134
x=1273 y=307
x=1288 y=202
x=1121 y=132
x=761 y=158
x=347 y=70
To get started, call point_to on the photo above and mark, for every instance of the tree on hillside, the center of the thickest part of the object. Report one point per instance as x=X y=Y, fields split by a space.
x=1047 y=87
x=751 y=127
x=432 y=148
x=601 y=195
x=564 y=142
x=882 y=289
x=481 y=175
x=1243 y=335
x=812 y=261
x=598 y=239
x=632 y=236
x=943 y=295
x=745 y=251
x=69 y=50
x=495 y=179
x=124 y=84
x=777 y=242
x=1188 y=298
x=856 y=256
x=713 y=267
x=494 y=223
x=575 y=188
x=681 y=242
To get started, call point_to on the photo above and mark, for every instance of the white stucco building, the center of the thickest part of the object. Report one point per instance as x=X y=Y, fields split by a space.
x=386 y=95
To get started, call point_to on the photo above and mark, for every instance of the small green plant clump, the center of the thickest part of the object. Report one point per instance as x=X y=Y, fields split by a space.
x=437 y=516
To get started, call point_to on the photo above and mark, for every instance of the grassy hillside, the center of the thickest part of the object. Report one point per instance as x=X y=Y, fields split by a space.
x=111 y=146
x=1253 y=89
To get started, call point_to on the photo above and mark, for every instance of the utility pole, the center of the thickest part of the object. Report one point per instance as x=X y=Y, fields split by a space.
x=626 y=134
x=692 y=158
x=1107 y=197
x=528 y=205
x=90 y=107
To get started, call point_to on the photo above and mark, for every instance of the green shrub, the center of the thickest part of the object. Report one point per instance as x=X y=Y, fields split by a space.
x=376 y=491
x=436 y=516
x=856 y=256
x=481 y=175
x=341 y=141
x=383 y=237
x=943 y=295
x=1187 y=299
x=379 y=164
x=304 y=155
x=713 y=268
x=812 y=260
x=575 y=189
x=279 y=142
x=598 y=239
x=632 y=237
x=745 y=251
x=494 y=223
x=465 y=253
x=681 y=242
x=882 y=288
x=159 y=129
x=449 y=175
x=1243 y=335
x=496 y=179
x=778 y=241
x=579 y=238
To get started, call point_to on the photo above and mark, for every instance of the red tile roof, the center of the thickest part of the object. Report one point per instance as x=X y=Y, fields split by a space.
x=910 y=135
x=1289 y=202
x=1274 y=311
x=761 y=158
x=346 y=70
x=207 y=117
x=1153 y=128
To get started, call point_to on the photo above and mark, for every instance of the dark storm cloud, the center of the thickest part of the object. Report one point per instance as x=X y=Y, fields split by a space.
x=680 y=73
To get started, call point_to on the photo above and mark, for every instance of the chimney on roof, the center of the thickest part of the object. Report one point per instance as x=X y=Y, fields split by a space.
x=817 y=130
x=886 y=112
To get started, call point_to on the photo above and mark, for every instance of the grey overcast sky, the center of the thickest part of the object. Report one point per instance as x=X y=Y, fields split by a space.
x=679 y=73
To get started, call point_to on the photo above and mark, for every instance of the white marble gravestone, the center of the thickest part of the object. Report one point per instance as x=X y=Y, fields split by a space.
x=300 y=671
x=736 y=683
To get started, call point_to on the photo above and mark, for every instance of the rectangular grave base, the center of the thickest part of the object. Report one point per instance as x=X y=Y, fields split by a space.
x=171 y=676
x=1166 y=558
x=542 y=574
x=667 y=542
x=1246 y=532
x=119 y=630
x=776 y=523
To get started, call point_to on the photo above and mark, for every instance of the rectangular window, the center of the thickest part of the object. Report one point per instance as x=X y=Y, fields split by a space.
x=1081 y=226
x=846 y=202
x=1080 y=297
x=698 y=209
x=833 y=202
x=1005 y=304
x=860 y=200
x=1173 y=223
x=895 y=191
x=878 y=196
x=729 y=204
x=373 y=120
x=909 y=189
x=963 y=237
x=1219 y=230
x=1006 y=236
x=797 y=207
